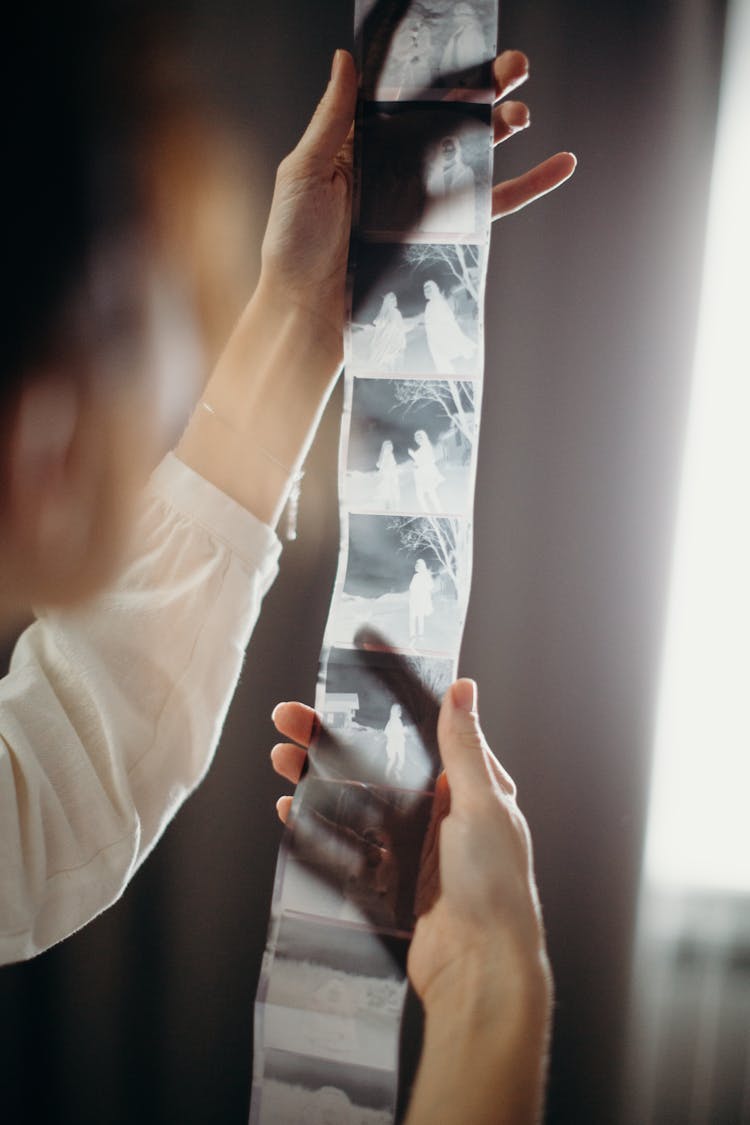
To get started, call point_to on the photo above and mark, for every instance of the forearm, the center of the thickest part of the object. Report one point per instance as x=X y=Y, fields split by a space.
x=111 y=712
x=266 y=395
x=484 y=1057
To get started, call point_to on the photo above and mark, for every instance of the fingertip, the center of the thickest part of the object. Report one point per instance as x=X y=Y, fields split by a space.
x=464 y=695
x=277 y=711
x=567 y=162
x=521 y=61
x=283 y=808
x=342 y=67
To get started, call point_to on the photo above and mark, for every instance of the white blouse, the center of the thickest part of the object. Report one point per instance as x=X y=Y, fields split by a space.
x=110 y=714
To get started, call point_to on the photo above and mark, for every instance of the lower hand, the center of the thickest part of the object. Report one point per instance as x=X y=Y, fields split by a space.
x=478 y=959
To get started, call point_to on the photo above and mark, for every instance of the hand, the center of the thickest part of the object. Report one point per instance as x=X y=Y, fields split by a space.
x=477 y=959
x=476 y=897
x=307 y=237
x=477 y=901
x=306 y=242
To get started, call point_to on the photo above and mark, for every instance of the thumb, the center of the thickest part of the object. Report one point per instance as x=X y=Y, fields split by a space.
x=334 y=115
x=461 y=742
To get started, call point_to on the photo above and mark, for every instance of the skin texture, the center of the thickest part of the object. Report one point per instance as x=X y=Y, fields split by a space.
x=478 y=958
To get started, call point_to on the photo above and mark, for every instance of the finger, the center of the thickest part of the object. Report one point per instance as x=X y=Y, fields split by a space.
x=333 y=118
x=296 y=721
x=509 y=118
x=288 y=761
x=512 y=195
x=510 y=70
x=462 y=745
x=283 y=808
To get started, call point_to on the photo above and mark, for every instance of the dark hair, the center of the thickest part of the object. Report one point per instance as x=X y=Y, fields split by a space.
x=76 y=104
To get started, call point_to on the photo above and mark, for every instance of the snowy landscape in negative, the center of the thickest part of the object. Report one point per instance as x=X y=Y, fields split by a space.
x=415 y=309
x=411 y=446
x=407 y=578
x=378 y=718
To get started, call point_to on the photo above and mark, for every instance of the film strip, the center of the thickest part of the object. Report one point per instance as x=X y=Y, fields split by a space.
x=333 y=981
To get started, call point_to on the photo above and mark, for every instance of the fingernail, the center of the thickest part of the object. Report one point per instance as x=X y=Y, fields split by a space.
x=464 y=695
x=335 y=64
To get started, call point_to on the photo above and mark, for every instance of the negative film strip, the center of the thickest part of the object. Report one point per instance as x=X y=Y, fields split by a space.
x=333 y=981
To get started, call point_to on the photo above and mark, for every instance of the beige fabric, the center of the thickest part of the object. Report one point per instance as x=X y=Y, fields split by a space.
x=110 y=715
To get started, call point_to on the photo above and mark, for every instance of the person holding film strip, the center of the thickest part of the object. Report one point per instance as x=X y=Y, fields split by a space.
x=113 y=708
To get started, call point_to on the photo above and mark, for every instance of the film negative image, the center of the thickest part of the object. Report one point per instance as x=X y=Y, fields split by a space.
x=411 y=445
x=426 y=169
x=407 y=577
x=379 y=718
x=414 y=47
x=353 y=854
x=297 y=1090
x=334 y=991
x=415 y=309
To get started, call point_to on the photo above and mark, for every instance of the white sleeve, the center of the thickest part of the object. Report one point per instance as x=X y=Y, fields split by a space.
x=110 y=714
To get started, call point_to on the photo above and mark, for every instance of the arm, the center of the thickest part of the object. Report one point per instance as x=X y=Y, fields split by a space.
x=291 y=334
x=111 y=713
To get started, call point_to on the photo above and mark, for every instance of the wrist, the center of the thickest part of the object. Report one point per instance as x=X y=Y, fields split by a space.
x=266 y=396
x=484 y=1056
x=488 y=988
x=318 y=330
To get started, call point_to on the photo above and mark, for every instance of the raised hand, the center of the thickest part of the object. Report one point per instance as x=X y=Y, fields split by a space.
x=305 y=247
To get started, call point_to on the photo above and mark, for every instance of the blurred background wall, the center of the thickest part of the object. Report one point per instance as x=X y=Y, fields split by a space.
x=146 y=1015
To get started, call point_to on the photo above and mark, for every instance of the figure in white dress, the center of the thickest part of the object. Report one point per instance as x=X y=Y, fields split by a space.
x=446 y=341
x=388 y=488
x=451 y=194
x=427 y=477
x=420 y=599
x=395 y=744
x=388 y=335
x=467 y=46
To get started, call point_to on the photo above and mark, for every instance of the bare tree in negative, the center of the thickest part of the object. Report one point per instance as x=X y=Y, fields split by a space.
x=462 y=260
x=455 y=398
x=445 y=538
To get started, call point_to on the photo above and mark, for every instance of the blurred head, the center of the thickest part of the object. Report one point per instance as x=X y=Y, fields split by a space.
x=430 y=290
x=395 y=710
x=420 y=437
x=387 y=446
x=100 y=353
x=420 y=566
x=390 y=301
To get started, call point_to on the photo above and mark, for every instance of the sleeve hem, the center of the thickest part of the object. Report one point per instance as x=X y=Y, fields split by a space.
x=196 y=498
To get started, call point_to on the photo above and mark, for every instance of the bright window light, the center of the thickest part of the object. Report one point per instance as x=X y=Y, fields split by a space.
x=699 y=815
